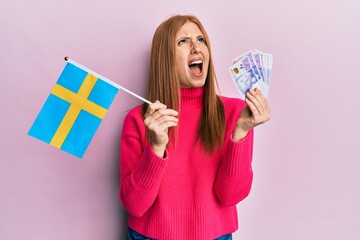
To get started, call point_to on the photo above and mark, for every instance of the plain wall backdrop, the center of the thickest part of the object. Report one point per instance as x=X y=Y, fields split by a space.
x=306 y=159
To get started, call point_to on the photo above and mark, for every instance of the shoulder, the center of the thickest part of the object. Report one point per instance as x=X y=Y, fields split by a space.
x=133 y=125
x=134 y=115
x=232 y=110
x=232 y=104
x=135 y=112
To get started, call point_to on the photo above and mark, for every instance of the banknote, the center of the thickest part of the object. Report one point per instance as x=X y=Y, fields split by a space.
x=244 y=76
x=252 y=70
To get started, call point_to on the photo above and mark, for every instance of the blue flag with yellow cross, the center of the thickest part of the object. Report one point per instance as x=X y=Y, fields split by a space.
x=74 y=109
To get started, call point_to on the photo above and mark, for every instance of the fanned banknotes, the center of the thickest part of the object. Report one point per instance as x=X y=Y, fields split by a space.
x=252 y=70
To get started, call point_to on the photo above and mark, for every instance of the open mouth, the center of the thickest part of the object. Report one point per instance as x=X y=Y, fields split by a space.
x=196 y=67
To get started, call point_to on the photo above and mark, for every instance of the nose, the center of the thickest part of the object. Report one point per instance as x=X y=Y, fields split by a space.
x=195 y=48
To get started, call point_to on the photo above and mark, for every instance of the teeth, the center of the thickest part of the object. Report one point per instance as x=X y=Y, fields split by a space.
x=196 y=62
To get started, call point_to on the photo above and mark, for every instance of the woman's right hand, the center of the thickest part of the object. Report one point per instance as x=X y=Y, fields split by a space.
x=158 y=120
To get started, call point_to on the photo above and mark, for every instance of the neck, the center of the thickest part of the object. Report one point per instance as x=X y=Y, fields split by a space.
x=192 y=97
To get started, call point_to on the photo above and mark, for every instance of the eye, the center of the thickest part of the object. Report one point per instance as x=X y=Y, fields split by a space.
x=182 y=42
x=201 y=40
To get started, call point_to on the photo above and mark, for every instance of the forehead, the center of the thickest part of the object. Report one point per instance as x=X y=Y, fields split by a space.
x=189 y=29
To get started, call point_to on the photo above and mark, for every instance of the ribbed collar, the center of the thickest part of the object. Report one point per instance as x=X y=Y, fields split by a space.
x=192 y=97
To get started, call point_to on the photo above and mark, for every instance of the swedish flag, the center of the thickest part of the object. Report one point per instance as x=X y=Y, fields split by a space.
x=74 y=109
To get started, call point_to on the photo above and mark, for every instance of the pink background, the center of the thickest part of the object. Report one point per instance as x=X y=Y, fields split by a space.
x=306 y=159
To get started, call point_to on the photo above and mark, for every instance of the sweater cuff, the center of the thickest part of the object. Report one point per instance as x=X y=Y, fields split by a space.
x=238 y=156
x=150 y=168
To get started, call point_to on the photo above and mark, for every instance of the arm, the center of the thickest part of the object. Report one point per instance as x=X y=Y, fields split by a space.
x=234 y=178
x=141 y=170
x=142 y=165
x=235 y=175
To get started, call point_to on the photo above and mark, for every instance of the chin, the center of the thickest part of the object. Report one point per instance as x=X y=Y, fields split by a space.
x=195 y=84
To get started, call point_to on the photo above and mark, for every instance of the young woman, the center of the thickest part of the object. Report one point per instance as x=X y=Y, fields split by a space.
x=186 y=158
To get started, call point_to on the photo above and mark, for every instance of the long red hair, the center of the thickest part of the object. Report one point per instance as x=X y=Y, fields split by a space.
x=164 y=83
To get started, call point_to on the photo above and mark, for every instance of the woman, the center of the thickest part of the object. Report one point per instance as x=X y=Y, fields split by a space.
x=186 y=158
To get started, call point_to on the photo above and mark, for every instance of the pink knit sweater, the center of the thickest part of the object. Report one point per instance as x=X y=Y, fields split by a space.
x=188 y=194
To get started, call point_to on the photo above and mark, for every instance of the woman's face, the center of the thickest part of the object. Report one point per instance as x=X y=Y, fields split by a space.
x=191 y=56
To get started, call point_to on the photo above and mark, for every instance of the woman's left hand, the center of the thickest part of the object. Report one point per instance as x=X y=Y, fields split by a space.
x=255 y=113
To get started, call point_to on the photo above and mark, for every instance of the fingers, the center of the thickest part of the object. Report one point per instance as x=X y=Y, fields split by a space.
x=158 y=119
x=253 y=101
x=154 y=107
x=258 y=105
x=158 y=113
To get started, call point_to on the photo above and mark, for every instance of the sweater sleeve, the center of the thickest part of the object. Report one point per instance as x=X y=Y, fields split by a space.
x=141 y=170
x=234 y=177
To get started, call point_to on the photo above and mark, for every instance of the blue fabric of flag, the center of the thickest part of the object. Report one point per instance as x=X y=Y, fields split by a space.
x=103 y=93
x=44 y=126
x=81 y=134
x=72 y=77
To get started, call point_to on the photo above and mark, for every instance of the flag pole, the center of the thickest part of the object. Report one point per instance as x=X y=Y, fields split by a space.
x=66 y=58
